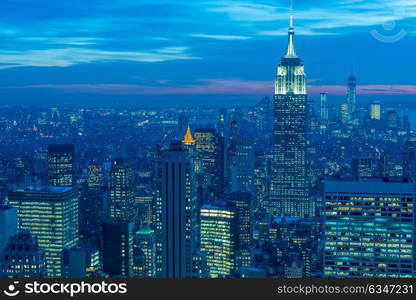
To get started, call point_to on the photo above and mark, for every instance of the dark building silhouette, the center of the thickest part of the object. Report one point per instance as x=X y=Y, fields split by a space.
x=61 y=165
x=23 y=258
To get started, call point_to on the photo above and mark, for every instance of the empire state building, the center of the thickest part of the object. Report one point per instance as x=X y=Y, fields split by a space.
x=289 y=191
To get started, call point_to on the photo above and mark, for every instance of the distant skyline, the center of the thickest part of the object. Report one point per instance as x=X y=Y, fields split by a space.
x=136 y=51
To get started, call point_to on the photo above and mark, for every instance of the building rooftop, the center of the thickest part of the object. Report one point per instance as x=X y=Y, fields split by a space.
x=51 y=189
x=145 y=230
x=371 y=185
x=4 y=207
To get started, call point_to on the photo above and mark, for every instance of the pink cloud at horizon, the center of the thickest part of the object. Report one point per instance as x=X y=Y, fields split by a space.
x=218 y=87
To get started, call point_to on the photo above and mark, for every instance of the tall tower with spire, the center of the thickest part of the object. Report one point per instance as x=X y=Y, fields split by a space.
x=351 y=94
x=289 y=192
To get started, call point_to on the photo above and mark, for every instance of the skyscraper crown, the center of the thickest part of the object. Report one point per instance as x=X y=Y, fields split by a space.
x=188 y=139
x=291 y=52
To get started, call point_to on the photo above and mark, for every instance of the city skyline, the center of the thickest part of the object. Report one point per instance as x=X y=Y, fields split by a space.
x=295 y=185
x=134 y=52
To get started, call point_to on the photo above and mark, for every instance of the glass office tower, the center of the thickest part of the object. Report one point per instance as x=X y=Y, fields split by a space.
x=50 y=214
x=369 y=228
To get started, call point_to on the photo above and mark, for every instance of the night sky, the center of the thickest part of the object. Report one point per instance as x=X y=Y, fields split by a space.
x=150 y=52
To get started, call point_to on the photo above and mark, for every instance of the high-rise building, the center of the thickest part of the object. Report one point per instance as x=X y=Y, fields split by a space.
x=369 y=228
x=242 y=171
x=95 y=175
x=209 y=162
x=145 y=242
x=118 y=228
x=217 y=233
x=94 y=207
x=409 y=159
x=176 y=213
x=364 y=167
x=375 y=111
x=262 y=174
x=264 y=117
x=183 y=121
x=122 y=190
x=392 y=119
x=61 y=165
x=324 y=108
x=344 y=114
x=118 y=242
x=22 y=257
x=241 y=204
x=289 y=195
x=8 y=224
x=351 y=95
x=50 y=214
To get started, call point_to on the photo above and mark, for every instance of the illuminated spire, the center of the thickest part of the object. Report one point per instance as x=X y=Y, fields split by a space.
x=291 y=44
x=188 y=139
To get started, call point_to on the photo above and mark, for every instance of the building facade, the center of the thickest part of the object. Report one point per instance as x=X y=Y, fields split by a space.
x=218 y=237
x=50 y=214
x=61 y=165
x=22 y=258
x=369 y=228
x=176 y=213
x=122 y=190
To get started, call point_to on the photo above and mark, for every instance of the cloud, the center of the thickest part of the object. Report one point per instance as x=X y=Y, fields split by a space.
x=371 y=89
x=312 y=18
x=201 y=87
x=221 y=37
x=66 y=57
x=218 y=87
x=73 y=41
x=249 y=11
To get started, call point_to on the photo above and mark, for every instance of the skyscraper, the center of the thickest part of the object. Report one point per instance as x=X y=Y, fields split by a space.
x=210 y=159
x=351 y=95
x=241 y=204
x=121 y=190
x=118 y=248
x=242 y=171
x=61 y=165
x=51 y=214
x=289 y=195
x=324 y=109
x=176 y=209
x=344 y=114
x=369 y=228
x=375 y=111
x=94 y=206
x=409 y=158
x=217 y=232
x=23 y=258
x=118 y=228
x=392 y=119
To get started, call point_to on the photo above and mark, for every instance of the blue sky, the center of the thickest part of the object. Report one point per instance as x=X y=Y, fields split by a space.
x=209 y=50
